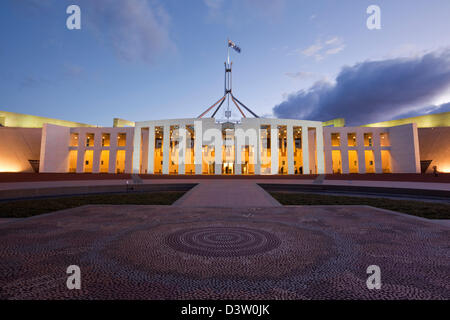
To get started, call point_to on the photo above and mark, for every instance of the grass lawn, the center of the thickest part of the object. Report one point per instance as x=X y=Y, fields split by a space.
x=28 y=208
x=430 y=210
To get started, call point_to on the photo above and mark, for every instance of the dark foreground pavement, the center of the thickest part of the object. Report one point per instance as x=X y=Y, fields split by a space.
x=155 y=252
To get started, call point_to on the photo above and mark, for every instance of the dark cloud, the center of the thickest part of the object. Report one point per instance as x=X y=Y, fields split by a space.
x=374 y=91
x=427 y=110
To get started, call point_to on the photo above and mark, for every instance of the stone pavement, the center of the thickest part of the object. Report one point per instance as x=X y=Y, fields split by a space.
x=227 y=193
x=171 y=252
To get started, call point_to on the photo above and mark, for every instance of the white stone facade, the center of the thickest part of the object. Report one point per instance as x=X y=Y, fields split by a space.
x=252 y=146
x=208 y=132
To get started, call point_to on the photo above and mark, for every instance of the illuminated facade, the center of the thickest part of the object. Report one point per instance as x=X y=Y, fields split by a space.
x=251 y=146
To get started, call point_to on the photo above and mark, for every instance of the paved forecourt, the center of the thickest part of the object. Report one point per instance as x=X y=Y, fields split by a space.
x=175 y=252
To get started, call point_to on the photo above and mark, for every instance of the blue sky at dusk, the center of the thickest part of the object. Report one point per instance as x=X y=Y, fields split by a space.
x=148 y=59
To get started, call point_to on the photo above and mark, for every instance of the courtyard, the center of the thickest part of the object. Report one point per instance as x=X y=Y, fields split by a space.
x=183 y=252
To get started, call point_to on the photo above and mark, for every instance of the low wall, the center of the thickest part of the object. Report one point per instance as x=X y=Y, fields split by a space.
x=86 y=190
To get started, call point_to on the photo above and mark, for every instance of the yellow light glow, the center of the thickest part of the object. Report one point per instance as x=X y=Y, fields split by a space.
x=9 y=167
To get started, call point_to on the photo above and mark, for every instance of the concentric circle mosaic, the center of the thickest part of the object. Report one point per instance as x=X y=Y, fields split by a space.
x=223 y=241
x=167 y=252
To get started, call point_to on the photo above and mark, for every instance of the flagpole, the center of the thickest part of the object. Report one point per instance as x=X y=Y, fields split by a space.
x=228 y=50
x=228 y=79
x=228 y=95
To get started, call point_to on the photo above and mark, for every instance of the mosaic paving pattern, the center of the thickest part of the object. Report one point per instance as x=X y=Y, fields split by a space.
x=155 y=252
x=223 y=241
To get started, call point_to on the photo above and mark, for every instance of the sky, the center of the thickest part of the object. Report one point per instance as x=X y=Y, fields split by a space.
x=150 y=59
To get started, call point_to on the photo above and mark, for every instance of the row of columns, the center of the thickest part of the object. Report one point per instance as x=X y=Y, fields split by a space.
x=97 y=155
x=218 y=144
x=360 y=148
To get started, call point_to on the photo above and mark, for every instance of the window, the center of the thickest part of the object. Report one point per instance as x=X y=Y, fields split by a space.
x=336 y=159
x=90 y=139
x=74 y=139
x=368 y=141
x=106 y=140
x=384 y=139
x=351 y=137
x=335 y=139
x=73 y=156
x=88 y=160
x=104 y=161
x=370 y=161
x=353 y=161
x=386 y=161
x=121 y=139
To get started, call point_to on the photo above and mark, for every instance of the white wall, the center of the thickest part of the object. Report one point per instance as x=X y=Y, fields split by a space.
x=97 y=148
x=54 y=148
x=405 y=148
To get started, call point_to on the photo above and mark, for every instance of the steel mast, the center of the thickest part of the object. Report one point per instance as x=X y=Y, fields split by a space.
x=228 y=94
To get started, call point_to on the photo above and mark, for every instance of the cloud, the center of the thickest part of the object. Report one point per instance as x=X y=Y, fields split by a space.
x=335 y=50
x=301 y=75
x=136 y=29
x=426 y=110
x=332 y=41
x=228 y=8
x=374 y=91
x=312 y=50
x=320 y=49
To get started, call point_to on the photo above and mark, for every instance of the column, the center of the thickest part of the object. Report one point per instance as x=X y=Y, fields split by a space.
x=360 y=150
x=218 y=145
x=97 y=152
x=320 y=151
x=344 y=155
x=151 y=150
x=144 y=151
x=182 y=149
x=274 y=149
x=377 y=151
x=112 y=153
x=257 y=150
x=198 y=146
x=328 y=151
x=129 y=154
x=166 y=149
x=81 y=151
x=305 y=149
x=290 y=148
x=136 y=150
x=237 y=156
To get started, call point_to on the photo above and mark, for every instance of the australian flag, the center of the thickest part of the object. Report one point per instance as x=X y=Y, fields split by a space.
x=231 y=44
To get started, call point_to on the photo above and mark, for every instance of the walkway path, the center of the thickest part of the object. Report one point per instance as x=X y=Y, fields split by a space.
x=227 y=193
